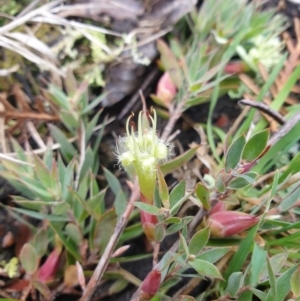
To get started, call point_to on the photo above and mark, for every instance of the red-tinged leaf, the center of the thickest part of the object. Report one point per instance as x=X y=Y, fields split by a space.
x=203 y=195
x=163 y=189
x=29 y=258
x=150 y=285
x=170 y=63
x=18 y=285
x=50 y=267
x=149 y=222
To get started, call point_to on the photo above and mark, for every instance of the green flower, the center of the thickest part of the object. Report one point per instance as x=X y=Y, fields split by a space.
x=139 y=152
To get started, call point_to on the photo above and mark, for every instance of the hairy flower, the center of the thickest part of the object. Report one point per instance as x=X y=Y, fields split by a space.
x=139 y=152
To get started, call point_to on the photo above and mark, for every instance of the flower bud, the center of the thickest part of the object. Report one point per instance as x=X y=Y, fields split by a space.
x=166 y=90
x=149 y=222
x=228 y=223
x=236 y=68
x=150 y=285
x=220 y=206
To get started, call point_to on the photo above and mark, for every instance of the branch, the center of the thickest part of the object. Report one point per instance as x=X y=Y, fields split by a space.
x=104 y=260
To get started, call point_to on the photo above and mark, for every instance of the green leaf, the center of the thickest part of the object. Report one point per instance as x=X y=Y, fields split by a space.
x=172 y=165
x=40 y=242
x=148 y=208
x=93 y=104
x=220 y=183
x=42 y=216
x=170 y=63
x=184 y=245
x=295 y=280
x=120 y=203
x=112 y=180
x=67 y=149
x=242 y=253
x=283 y=285
x=74 y=233
x=272 y=280
x=59 y=97
x=199 y=241
x=259 y=294
x=258 y=259
x=69 y=244
x=255 y=146
x=243 y=180
x=213 y=254
x=203 y=195
x=163 y=189
x=29 y=258
x=205 y=268
x=177 y=193
x=290 y=200
x=104 y=229
x=234 y=153
x=234 y=284
x=160 y=232
x=277 y=262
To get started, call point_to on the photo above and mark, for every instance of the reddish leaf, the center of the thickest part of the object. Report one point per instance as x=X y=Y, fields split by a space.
x=49 y=268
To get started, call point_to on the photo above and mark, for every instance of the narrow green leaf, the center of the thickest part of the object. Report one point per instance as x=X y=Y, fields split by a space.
x=59 y=97
x=234 y=153
x=69 y=244
x=272 y=280
x=112 y=180
x=259 y=294
x=67 y=149
x=199 y=241
x=184 y=245
x=178 y=161
x=93 y=104
x=120 y=203
x=203 y=195
x=42 y=216
x=258 y=259
x=283 y=285
x=177 y=193
x=163 y=189
x=255 y=146
x=148 y=208
x=205 y=268
x=242 y=253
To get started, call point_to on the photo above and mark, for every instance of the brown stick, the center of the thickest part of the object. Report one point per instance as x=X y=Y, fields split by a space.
x=104 y=260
